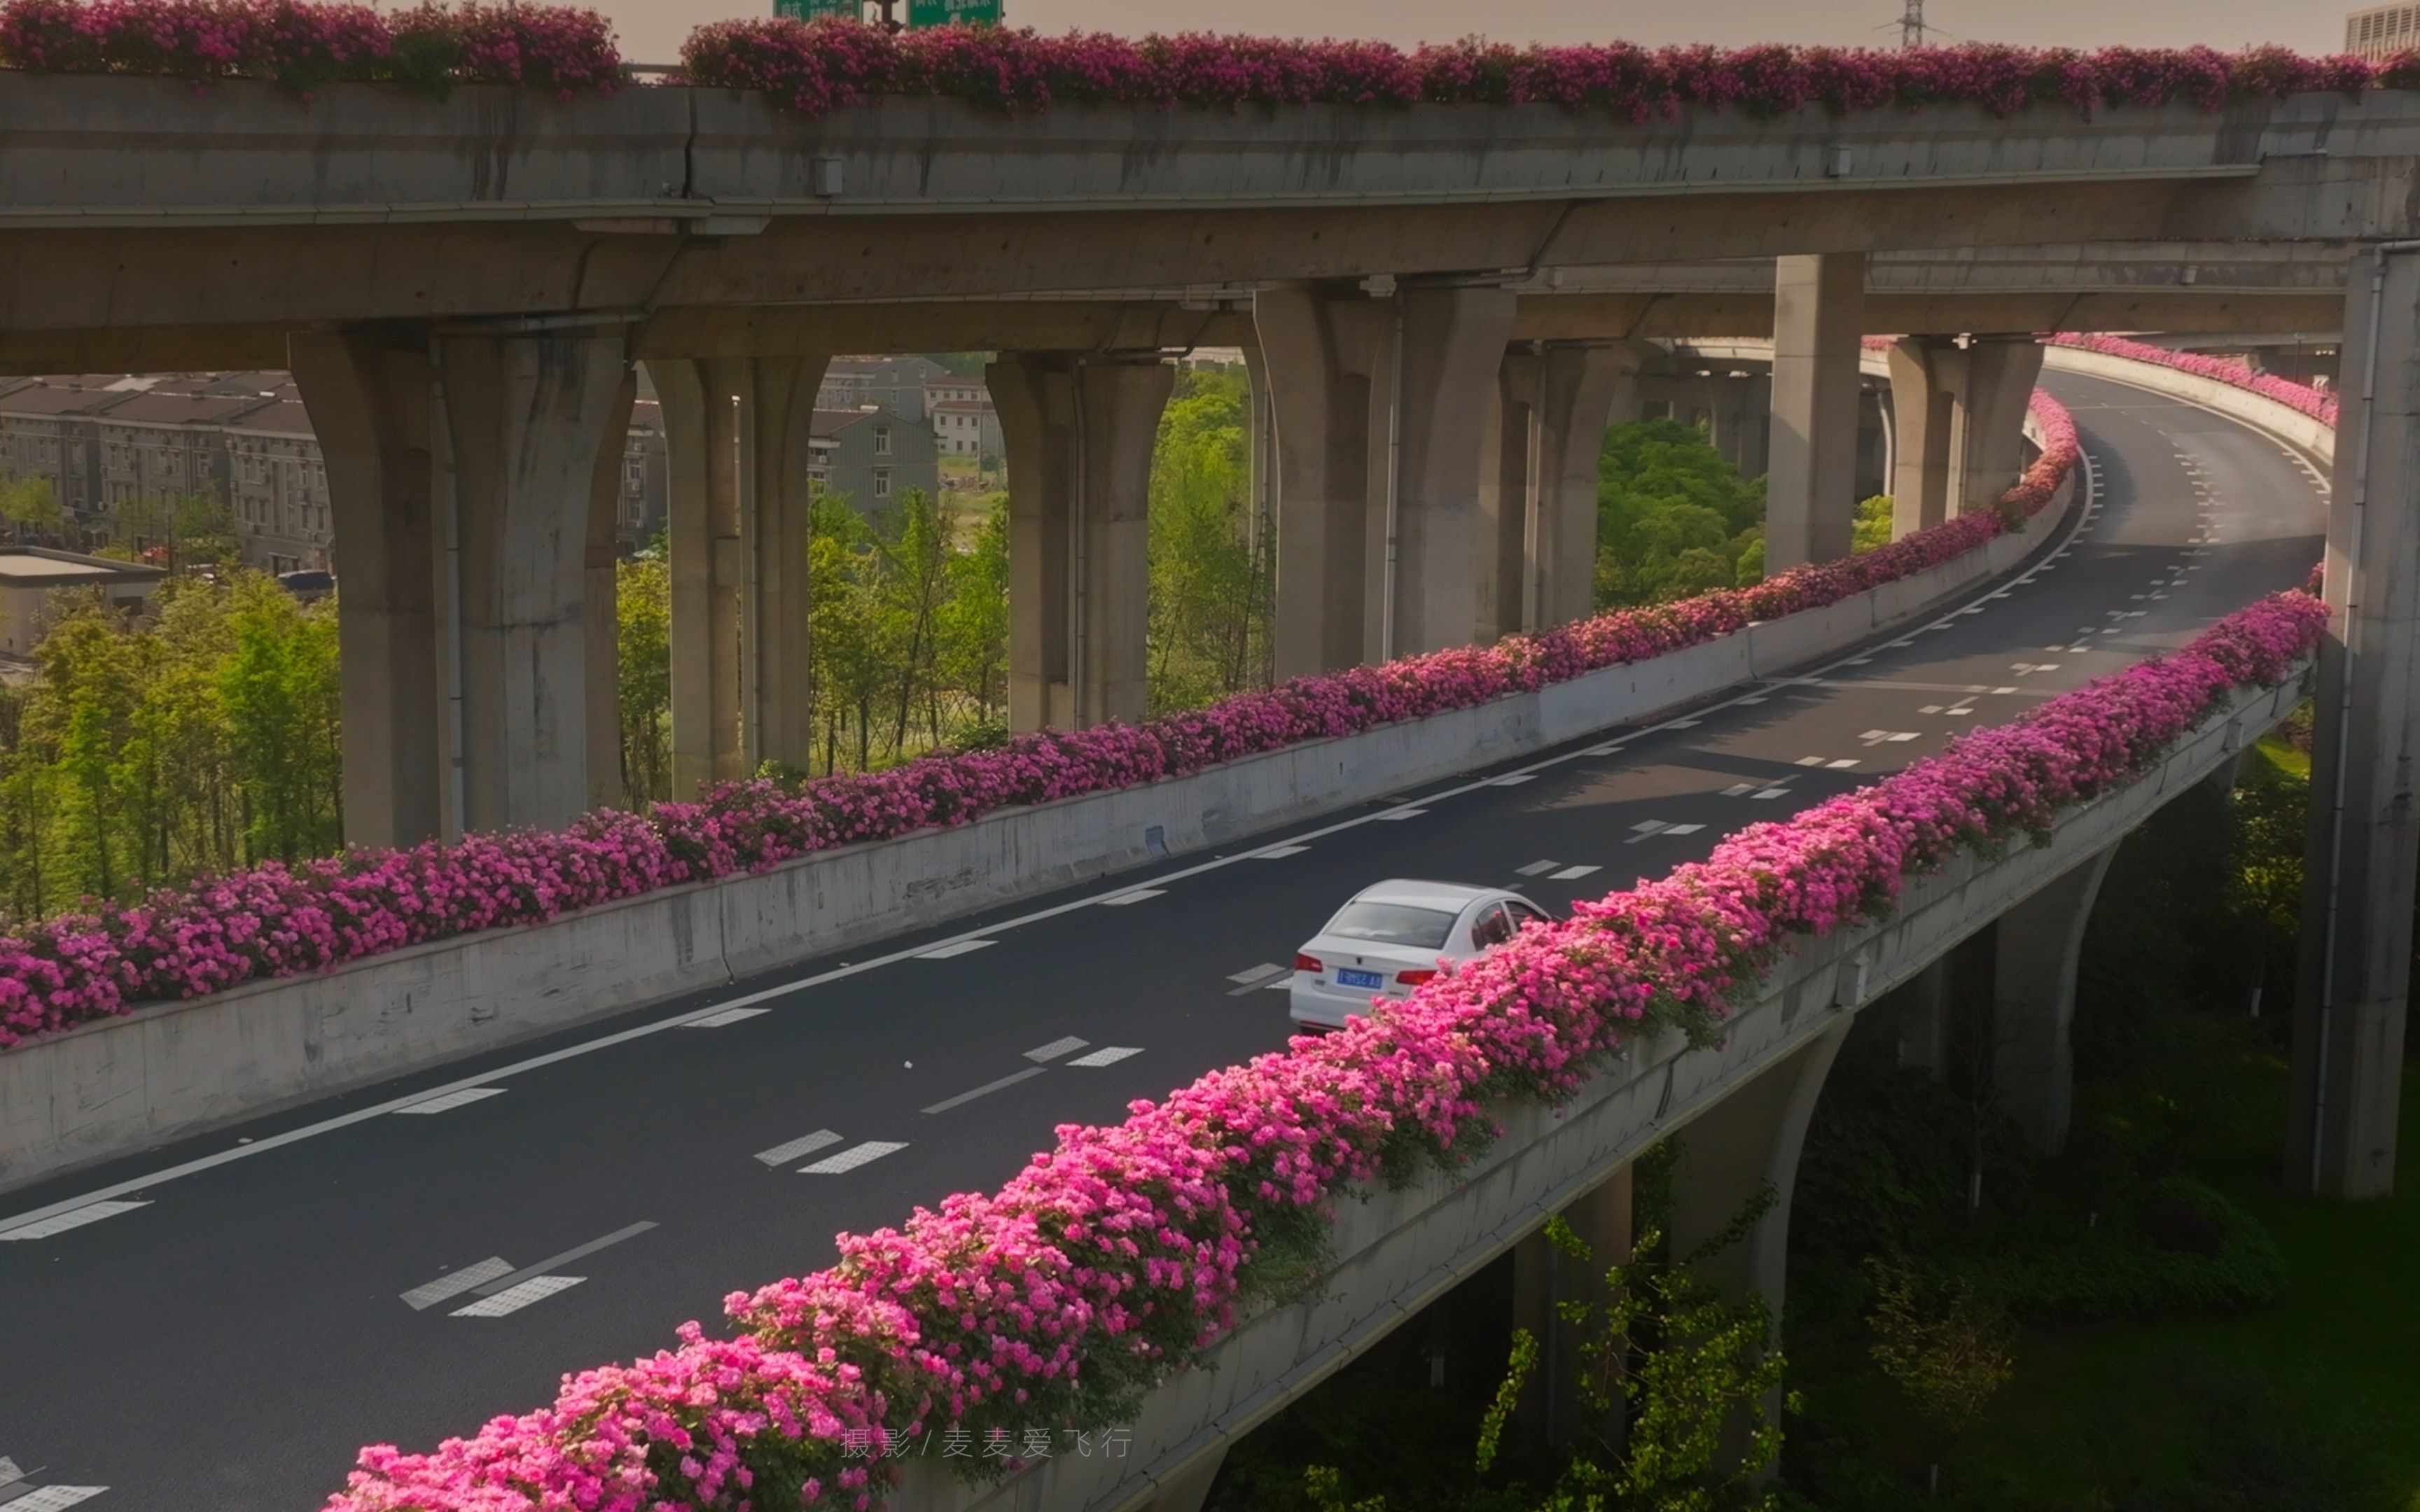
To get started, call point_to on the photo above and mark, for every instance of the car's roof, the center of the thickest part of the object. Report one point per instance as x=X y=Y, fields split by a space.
x=1450 y=897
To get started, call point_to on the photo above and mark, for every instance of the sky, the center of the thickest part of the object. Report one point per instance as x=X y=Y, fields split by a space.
x=651 y=30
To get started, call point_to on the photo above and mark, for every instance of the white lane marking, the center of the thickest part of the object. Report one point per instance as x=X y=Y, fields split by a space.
x=44 y=1225
x=853 y=1157
x=429 y=1293
x=1753 y=698
x=1059 y=1047
x=803 y=1145
x=989 y=1087
x=1644 y=828
x=54 y=1498
x=539 y=1271
x=1108 y=1055
x=958 y=948
x=1400 y=813
x=725 y=1018
x=448 y=1102
x=1859 y=661
x=518 y=1296
x=1250 y=977
x=1573 y=873
x=1534 y=867
x=1683 y=724
x=1840 y=764
x=1809 y=761
x=1512 y=780
x=1739 y=790
x=1683 y=829
x=847 y=969
x=1278 y=853
x=1878 y=737
x=1139 y=895
x=1772 y=792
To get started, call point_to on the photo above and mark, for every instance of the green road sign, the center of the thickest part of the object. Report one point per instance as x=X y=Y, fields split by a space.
x=818 y=9
x=922 y=13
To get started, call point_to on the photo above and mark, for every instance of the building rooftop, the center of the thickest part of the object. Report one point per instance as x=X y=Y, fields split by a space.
x=53 y=399
x=963 y=407
x=157 y=409
x=277 y=417
x=832 y=422
x=34 y=567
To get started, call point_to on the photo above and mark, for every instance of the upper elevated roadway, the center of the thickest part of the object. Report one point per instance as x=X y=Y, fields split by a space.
x=260 y=1319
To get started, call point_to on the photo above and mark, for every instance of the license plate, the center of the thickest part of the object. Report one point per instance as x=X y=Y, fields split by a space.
x=1359 y=978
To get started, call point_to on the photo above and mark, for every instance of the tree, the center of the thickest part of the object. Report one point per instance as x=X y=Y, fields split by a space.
x=642 y=672
x=1950 y=1351
x=1673 y=516
x=1210 y=580
x=912 y=549
x=30 y=506
x=1873 y=527
x=973 y=622
x=280 y=689
x=175 y=527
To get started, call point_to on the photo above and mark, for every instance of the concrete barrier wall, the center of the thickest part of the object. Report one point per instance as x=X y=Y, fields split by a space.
x=1396 y=1250
x=109 y=1089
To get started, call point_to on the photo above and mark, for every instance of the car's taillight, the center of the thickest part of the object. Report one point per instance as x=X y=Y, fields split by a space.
x=1307 y=963
x=1413 y=979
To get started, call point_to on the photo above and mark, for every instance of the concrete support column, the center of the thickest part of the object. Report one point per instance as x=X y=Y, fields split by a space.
x=1079 y=430
x=1581 y=390
x=1924 y=1038
x=527 y=417
x=1927 y=376
x=1327 y=351
x=1508 y=478
x=2364 y=836
x=368 y=393
x=2034 y=951
x=735 y=438
x=1260 y=520
x=1810 y=492
x=1551 y=1406
x=2001 y=372
x=601 y=596
x=1453 y=339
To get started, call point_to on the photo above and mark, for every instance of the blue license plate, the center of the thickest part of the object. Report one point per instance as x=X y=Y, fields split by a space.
x=1359 y=978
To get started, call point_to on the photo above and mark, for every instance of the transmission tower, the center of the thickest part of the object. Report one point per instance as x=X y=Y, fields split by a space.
x=1911 y=24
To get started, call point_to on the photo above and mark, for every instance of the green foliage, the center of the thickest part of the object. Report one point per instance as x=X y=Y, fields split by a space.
x=2180 y=1247
x=1873 y=528
x=2240 y=1457
x=642 y=653
x=30 y=506
x=175 y=530
x=1673 y=518
x=202 y=737
x=1211 y=583
x=1949 y=1349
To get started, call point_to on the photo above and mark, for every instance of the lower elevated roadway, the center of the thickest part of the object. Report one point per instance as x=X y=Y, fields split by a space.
x=223 y=1341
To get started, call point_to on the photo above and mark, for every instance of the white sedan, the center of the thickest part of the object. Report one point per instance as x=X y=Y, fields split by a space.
x=1391 y=937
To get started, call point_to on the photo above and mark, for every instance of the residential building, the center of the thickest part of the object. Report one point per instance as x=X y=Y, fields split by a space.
x=2380 y=32
x=30 y=576
x=102 y=438
x=951 y=389
x=967 y=428
x=870 y=455
x=898 y=384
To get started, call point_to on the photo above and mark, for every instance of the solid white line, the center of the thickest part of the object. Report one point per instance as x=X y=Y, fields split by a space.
x=514 y=1298
x=1108 y=1054
x=853 y=1157
x=448 y=1102
x=1512 y=780
x=1139 y=895
x=1059 y=1047
x=1010 y=1080
x=453 y=1283
x=783 y=989
x=959 y=948
x=728 y=1017
x=1278 y=853
x=1400 y=813
x=803 y=1145
x=44 y=1225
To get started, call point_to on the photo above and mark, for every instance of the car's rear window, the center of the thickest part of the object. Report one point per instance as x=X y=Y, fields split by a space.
x=1392 y=924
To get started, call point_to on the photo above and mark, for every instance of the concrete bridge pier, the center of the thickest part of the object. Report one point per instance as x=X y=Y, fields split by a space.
x=367 y=391
x=1327 y=353
x=2364 y=838
x=1079 y=429
x=1927 y=376
x=1810 y=489
x=535 y=425
x=736 y=435
x=1551 y=1407
x=1546 y=425
x=2001 y=372
x=1453 y=338
x=2036 y=948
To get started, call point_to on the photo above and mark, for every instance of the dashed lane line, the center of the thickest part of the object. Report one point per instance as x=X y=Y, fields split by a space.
x=453 y=1283
x=804 y=1145
x=518 y=1296
x=1108 y=1055
x=989 y=1087
x=1138 y=895
x=1573 y=873
x=1059 y=1047
x=853 y=1157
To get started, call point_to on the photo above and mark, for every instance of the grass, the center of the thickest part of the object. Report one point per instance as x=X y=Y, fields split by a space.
x=2094 y=1413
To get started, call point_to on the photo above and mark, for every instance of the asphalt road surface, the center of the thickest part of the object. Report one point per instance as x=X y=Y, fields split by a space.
x=222 y=1339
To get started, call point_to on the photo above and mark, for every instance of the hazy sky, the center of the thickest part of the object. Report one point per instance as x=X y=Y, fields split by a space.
x=651 y=30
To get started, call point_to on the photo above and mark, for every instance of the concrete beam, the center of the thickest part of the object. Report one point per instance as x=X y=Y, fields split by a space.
x=2364 y=836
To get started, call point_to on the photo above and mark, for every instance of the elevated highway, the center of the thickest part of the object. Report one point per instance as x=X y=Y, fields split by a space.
x=387 y=1278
